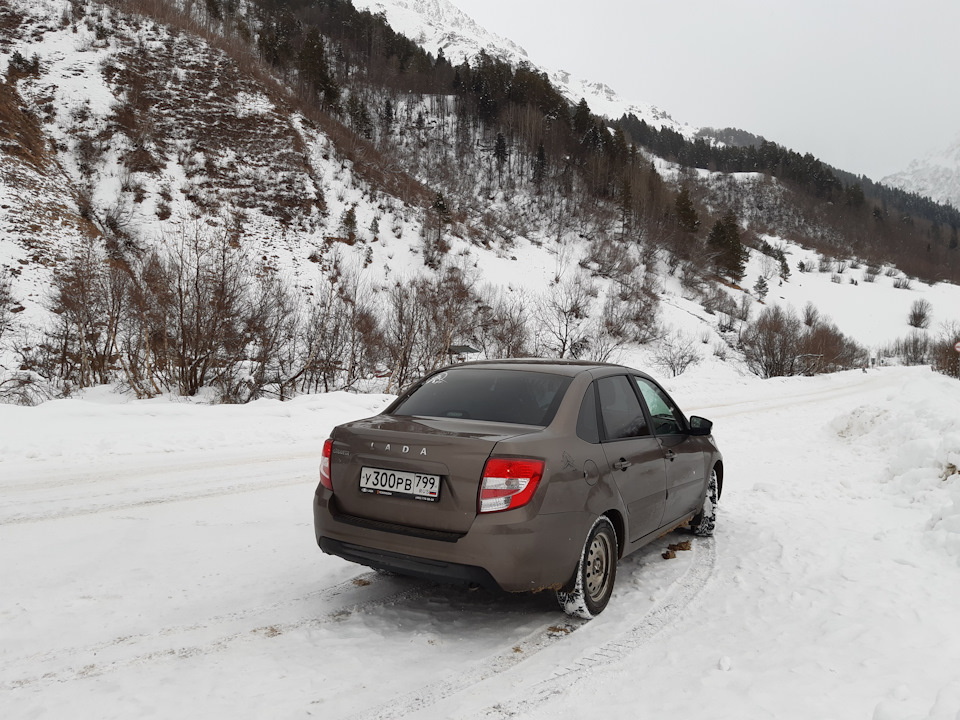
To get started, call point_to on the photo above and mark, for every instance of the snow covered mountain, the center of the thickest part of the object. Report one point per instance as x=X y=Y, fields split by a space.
x=440 y=25
x=937 y=175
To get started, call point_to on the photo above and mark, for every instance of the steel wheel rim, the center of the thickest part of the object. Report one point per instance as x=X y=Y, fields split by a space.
x=596 y=574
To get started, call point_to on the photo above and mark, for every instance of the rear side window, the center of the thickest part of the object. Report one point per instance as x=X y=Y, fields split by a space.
x=510 y=396
x=587 y=427
x=622 y=415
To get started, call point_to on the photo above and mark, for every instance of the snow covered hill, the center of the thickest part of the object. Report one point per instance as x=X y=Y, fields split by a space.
x=936 y=176
x=159 y=561
x=134 y=137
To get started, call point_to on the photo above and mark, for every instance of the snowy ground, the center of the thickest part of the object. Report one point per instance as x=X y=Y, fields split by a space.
x=158 y=561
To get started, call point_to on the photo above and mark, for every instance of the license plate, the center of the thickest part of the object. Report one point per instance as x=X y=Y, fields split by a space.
x=418 y=486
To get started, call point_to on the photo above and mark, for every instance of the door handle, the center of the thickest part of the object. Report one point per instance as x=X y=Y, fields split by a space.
x=670 y=455
x=623 y=464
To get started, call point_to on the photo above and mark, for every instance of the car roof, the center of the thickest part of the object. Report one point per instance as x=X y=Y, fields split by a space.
x=551 y=365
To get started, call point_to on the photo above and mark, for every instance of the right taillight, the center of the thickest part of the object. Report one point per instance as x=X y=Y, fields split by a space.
x=508 y=483
x=325 y=464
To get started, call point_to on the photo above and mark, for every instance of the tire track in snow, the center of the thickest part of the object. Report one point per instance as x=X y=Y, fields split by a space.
x=348 y=594
x=660 y=617
x=679 y=595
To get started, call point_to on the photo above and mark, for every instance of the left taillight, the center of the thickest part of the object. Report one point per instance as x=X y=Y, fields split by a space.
x=508 y=483
x=325 y=464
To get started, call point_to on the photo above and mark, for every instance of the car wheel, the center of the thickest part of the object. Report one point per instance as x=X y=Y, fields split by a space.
x=705 y=520
x=596 y=573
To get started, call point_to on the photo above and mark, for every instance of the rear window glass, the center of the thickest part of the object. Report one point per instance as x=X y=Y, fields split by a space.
x=510 y=396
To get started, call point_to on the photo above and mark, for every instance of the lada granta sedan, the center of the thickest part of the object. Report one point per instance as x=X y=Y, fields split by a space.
x=526 y=475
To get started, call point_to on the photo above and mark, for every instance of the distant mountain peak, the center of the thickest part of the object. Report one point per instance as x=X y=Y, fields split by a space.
x=440 y=25
x=937 y=175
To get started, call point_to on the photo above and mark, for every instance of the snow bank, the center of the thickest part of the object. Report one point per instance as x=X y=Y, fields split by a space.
x=104 y=423
x=917 y=429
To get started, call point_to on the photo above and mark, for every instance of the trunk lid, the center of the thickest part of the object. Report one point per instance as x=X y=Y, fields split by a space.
x=454 y=449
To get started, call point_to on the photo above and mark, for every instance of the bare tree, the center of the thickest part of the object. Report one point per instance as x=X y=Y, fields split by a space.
x=563 y=313
x=502 y=330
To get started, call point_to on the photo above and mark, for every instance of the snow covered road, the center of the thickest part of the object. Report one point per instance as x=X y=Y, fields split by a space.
x=158 y=561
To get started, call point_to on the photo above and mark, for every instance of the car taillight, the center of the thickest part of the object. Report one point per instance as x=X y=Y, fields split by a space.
x=325 y=464
x=508 y=483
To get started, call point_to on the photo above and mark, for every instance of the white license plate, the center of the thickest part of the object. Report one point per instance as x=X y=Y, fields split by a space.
x=418 y=486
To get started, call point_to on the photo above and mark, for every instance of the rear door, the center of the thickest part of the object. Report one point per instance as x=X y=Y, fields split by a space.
x=633 y=455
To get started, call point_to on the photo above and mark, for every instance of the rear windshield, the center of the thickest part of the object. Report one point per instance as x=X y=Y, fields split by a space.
x=510 y=396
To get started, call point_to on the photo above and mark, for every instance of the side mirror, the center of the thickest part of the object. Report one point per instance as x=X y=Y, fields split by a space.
x=700 y=426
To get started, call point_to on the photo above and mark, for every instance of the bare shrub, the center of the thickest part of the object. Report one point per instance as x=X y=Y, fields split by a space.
x=825 y=265
x=676 y=352
x=912 y=349
x=836 y=278
x=902 y=283
x=823 y=348
x=777 y=344
x=811 y=314
x=770 y=344
x=6 y=302
x=24 y=388
x=943 y=356
x=613 y=258
x=919 y=316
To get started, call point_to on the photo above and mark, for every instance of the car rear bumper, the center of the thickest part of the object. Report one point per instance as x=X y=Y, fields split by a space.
x=507 y=550
x=435 y=570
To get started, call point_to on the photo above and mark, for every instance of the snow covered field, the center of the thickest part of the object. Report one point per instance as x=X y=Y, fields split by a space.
x=158 y=561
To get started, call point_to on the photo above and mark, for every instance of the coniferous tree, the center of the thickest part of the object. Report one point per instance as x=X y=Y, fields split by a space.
x=761 y=288
x=687 y=217
x=582 y=124
x=500 y=155
x=540 y=167
x=439 y=206
x=724 y=240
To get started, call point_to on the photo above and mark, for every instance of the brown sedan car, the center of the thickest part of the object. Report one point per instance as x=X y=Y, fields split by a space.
x=524 y=475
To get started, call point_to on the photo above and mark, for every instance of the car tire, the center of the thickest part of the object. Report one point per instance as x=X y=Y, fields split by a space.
x=704 y=521
x=596 y=573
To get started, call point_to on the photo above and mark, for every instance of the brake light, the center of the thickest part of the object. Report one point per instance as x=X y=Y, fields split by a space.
x=508 y=483
x=325 y=464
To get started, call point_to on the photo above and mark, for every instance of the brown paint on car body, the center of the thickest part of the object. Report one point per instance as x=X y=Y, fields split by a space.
x=533 y=547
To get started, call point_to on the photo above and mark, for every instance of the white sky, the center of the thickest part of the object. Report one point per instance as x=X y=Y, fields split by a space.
x=866 y=85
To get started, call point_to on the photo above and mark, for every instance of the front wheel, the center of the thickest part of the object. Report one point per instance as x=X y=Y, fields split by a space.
x=705 y=520
x=596 y=573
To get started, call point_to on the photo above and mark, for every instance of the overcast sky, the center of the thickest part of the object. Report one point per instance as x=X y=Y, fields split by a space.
x=865 y=85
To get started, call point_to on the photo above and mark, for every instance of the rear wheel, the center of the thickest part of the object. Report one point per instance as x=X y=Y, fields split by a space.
x=596 y=573
x=705 y=520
